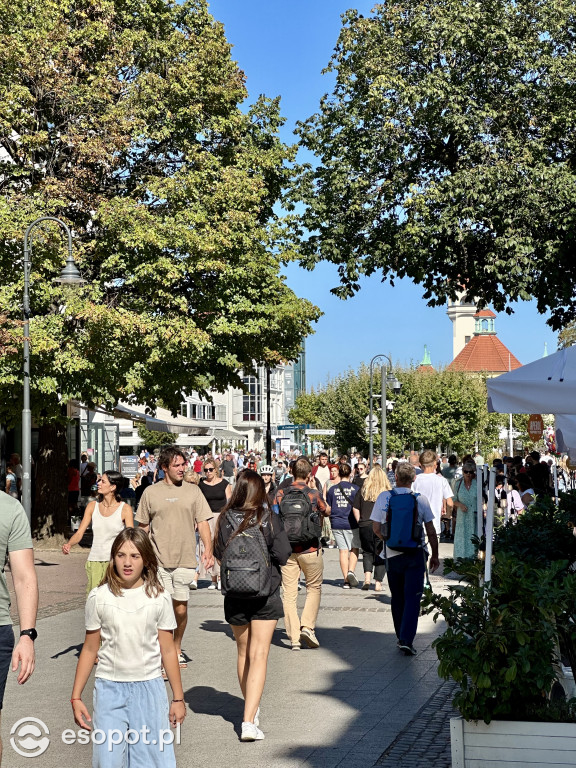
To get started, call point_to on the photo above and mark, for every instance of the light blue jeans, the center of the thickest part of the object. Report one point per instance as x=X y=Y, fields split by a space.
x=131 y=726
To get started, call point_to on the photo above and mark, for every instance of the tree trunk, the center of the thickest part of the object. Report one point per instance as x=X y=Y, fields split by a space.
x=50 y=511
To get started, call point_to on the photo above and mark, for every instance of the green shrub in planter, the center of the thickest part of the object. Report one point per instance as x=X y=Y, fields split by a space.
x=500 y=645
x=543 y=534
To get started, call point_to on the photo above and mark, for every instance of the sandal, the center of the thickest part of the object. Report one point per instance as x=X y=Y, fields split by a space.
x=182 y=663
x=378 y=586
x=366 y=586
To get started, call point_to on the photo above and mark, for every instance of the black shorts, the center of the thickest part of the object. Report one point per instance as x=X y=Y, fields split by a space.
x=6 y=648
x=239 y=612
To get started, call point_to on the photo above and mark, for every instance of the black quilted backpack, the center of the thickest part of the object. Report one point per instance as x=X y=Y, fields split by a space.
x=246 y=568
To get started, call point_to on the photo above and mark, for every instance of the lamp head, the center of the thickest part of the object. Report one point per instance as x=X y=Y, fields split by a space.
x=393 y=382
x=69 y=274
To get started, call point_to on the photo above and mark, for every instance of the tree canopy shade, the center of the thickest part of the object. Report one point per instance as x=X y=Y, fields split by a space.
x=122 y=117
x=447 y=152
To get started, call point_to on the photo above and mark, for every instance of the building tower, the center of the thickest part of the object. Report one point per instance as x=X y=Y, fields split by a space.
x=485 y=353
x=462 y=313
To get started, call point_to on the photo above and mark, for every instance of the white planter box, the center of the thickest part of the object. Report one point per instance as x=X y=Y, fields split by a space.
x=512 y=744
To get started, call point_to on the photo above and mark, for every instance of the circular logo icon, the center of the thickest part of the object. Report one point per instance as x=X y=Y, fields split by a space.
x=30 y=737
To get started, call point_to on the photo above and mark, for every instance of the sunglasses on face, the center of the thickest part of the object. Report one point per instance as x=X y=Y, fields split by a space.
x=209 y=469
x=468 y=472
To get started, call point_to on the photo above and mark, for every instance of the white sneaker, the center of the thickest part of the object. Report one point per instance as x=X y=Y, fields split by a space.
x=219 y=585
x=251 y=732
x=257 y=718
x=212 y=585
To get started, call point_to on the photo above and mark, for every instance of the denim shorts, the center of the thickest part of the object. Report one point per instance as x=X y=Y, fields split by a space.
x=6 y=648
x=131 y=726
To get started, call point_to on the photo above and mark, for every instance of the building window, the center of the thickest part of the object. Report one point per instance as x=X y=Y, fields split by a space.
x=251 y=400
x=204 y=411
x=466 y=339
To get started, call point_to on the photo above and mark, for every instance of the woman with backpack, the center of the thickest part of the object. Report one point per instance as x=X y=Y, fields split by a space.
x=251 y=544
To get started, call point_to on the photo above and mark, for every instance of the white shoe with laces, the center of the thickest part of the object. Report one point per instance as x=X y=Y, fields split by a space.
x=251 y=732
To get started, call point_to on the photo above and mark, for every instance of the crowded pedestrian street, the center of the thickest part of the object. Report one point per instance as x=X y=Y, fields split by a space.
x=346 y=703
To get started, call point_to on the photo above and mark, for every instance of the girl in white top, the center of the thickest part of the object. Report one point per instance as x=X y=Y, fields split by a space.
x=108 y=515
x=132 y=616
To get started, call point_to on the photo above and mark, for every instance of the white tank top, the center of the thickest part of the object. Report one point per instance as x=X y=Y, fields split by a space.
x=105 y=530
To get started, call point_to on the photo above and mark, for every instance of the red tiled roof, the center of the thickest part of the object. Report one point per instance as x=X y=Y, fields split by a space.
x=425 y=369
x=485 y=313
x=485 y=352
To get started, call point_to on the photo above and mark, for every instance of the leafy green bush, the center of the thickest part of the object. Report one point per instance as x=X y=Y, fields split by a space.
x=499 y=645
x=543 y=534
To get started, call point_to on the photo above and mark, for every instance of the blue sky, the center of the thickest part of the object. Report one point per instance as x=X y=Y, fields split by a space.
x=282 y=46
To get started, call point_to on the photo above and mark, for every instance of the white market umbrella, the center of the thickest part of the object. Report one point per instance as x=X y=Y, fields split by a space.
x=547 y=385
x=566 y=433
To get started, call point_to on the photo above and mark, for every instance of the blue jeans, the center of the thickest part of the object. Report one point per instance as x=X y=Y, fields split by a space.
x=406 y=582
x=132 y=724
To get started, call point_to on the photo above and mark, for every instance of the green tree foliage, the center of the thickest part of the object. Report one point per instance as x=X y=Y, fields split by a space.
x=124 y=119
x=447 y=152
x=567 y=336
x=442 y=407
x=153 y=439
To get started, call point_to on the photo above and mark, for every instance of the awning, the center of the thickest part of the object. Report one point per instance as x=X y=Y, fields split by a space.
x=162 y=422
x=547 y=385
x=195 y=440
x=227 y=434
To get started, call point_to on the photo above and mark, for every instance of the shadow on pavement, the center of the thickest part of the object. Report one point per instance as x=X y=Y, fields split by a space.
x=217 y=625
x=71 y=648
x=379 y=687
x=204 y=700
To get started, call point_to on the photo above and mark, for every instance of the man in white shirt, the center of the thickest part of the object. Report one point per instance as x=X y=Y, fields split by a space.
x=322 y=471
x=434 y=487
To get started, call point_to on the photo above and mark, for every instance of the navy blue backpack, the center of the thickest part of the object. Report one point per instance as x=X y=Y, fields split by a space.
x=402 y=530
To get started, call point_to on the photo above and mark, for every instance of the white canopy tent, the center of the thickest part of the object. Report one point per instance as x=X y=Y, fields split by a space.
x=566 y=433
x=547 y=385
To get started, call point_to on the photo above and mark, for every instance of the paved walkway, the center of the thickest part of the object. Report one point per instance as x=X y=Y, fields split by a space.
x=353 y=702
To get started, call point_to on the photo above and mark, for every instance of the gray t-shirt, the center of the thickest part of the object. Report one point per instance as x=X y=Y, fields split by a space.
x=14 y=535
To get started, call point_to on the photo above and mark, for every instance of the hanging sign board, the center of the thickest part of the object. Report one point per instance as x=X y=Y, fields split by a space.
x=535 y=427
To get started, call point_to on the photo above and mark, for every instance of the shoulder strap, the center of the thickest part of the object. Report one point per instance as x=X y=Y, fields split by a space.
x=343 y=492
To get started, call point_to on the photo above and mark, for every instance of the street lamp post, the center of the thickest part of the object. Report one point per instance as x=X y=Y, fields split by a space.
x=386 y=377
x=268 y=426
x=370 y=425
x=68 y=276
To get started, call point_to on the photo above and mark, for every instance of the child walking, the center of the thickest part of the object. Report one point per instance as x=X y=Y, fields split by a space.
x=133 y=617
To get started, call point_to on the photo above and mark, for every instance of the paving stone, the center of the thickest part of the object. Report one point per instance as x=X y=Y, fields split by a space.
x=426 y=738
